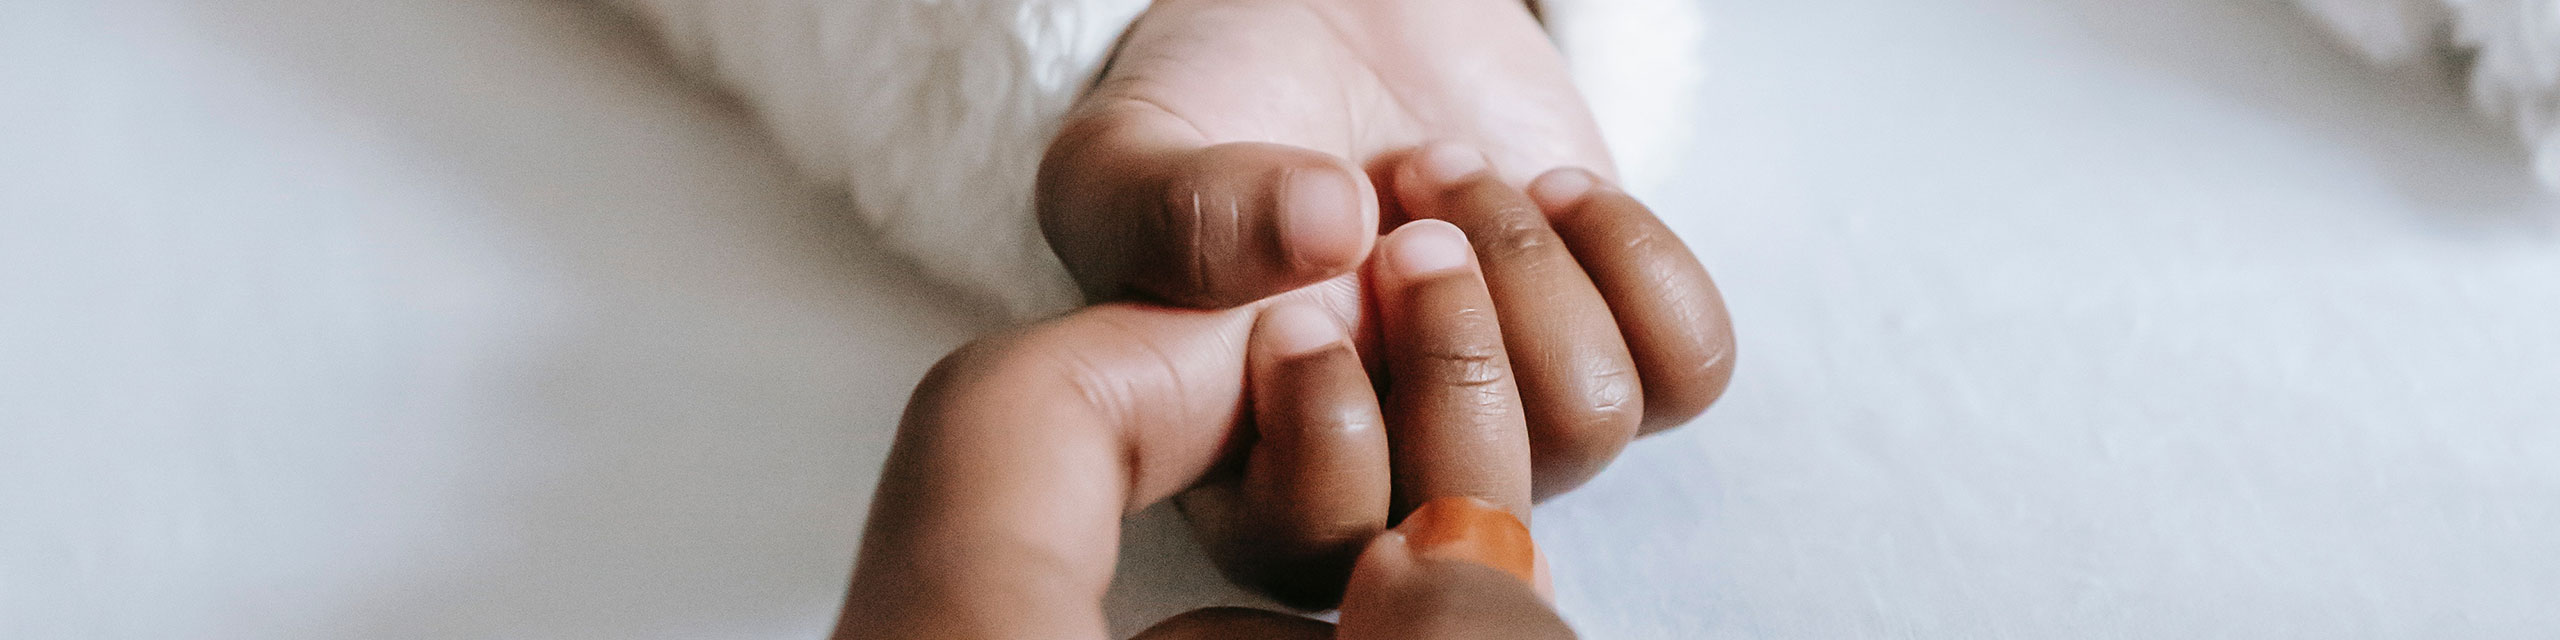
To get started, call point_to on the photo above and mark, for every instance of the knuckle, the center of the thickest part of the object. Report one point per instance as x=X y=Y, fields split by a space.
x=1472 y=365
x=1650 y=242
x=1596 y=425
x=1183 y=225
x=1516 y=233
x=1347 y=418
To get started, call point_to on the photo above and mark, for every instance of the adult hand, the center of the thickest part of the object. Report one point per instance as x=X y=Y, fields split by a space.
x=997 y=514
x=1228 y=153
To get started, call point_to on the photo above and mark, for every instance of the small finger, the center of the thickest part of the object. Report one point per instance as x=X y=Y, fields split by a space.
x=1316 y=481
x=1453 y=415
x=1666 y=306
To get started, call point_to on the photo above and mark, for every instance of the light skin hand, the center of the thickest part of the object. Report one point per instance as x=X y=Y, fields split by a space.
x=1227 y=153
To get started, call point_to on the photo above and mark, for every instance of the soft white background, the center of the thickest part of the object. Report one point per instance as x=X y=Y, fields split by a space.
x=2061 y=318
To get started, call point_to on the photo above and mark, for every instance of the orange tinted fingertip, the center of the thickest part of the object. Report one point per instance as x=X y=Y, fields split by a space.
x=1472 y=530
x=1397 y=595
x=1423 y=249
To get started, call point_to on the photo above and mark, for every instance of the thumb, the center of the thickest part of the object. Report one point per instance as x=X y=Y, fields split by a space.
x=1456 y=568
x=1139 y=204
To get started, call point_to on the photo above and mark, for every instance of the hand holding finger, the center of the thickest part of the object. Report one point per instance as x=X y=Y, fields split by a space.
x=1577 y=382
x=1315 y=482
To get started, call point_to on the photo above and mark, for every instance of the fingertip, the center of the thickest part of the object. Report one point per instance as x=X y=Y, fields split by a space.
x=1321 y=218
x=1397 y=592
x=1472 y=530
x=1433 y=169
x=1295 y=329
x=1560 y=190
x=1446 y=163
x=1425 y=248
x=1388 y=557
x=1231 y=224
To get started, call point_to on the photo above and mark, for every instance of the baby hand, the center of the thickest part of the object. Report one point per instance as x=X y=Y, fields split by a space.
x=997 y=511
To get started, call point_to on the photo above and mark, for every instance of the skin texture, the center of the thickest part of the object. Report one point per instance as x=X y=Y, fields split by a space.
x=997 y=514
x=1528 y=338
x=1453 y=411
x=1165 y=182
x=1238 y=149
x=1576 y=376
x=1668 y=310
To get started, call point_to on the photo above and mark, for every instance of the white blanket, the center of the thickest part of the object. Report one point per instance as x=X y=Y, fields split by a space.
x=2509 y=50
x=934 y=114
x=326 y=319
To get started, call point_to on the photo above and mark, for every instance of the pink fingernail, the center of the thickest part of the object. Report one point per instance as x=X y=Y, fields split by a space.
x=1319 y=217
x=1424 y=247
x=1294 y=329
x=1561 y=188
x=1449 y=162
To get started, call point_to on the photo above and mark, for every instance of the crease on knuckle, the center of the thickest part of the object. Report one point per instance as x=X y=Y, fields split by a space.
x=1118 y=387
x=1613 y=399
x=1598 y=422
x=1471 y=366
x=1183 y=224
x=1647 y=242
x=1515 y=233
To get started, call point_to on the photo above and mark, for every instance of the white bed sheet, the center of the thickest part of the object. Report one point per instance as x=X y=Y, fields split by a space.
x=2060 y=318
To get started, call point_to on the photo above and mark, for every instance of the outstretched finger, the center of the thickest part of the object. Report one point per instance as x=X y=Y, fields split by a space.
x=1453 y=415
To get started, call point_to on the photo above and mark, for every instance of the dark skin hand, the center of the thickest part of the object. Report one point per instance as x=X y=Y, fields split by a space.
x=1616 y=328
x=1239 y=149
x=1236 y=150
x=1606 y=326
x=997 y=514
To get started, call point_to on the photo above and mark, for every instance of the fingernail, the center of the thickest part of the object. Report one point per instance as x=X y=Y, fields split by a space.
x=1472 y=530
x=1319 y=217
x=1296 y=329
x=1561 y=188
x=1424 y=247
x=1448 y=162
